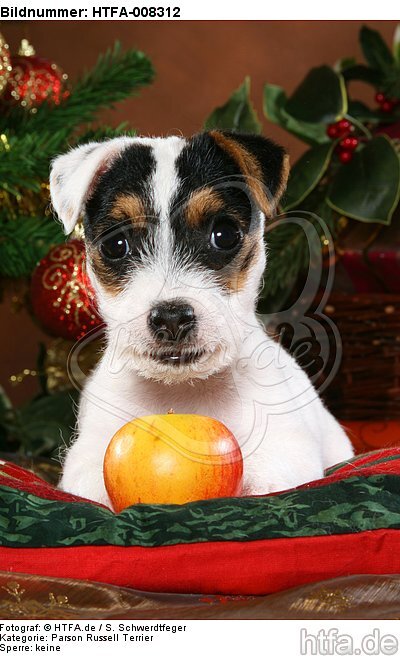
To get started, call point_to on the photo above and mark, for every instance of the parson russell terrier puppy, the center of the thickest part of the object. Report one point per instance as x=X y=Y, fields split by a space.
x=174 y=232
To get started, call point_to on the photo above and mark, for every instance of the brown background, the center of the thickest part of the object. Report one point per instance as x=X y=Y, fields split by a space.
x=198 y=65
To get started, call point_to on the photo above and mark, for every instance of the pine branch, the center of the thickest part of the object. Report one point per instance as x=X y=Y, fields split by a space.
x=34 y=139
x=25 y=162
x=102 y=133
x=24 y=242
x=116 y=76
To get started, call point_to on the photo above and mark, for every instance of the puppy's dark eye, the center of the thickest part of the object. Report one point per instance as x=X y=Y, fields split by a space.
x=225 y=235
x=115 y=247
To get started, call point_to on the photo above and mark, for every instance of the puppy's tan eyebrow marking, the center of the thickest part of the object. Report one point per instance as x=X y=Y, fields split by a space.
x=112 y=283
x=201 y=203
x=251 y=170
x=235 y=275
x=129 y=206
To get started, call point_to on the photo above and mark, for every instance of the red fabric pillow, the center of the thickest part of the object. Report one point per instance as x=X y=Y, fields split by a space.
x=347 y=523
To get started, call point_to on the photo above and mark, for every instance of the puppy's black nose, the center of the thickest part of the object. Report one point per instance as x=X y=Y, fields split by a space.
x=171 y=321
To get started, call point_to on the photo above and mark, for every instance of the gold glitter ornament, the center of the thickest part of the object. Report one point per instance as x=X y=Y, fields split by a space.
x=56 y=363
x=5 y=63
x=29 y=203
x=32 y=80
x=61 y=295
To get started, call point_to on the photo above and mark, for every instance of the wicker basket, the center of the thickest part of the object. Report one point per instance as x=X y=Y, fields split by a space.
x=367 y=385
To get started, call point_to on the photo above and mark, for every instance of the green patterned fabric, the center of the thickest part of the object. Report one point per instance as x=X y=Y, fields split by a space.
x=346 y=506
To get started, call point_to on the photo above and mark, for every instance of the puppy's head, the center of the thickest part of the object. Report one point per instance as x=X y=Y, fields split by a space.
x=174 y=235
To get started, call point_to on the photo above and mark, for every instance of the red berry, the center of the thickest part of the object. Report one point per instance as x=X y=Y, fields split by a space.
x=332 y=131
x=380 y=97
x=387 y=106
x=340 y=129
x=344 y=126
x=345 y=156
x=349 y=143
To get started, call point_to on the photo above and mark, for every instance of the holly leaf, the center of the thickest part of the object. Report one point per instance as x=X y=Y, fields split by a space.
x=391 y=83
x=236 y=114
x=364 y=74
x=376 y=52
x=45 y=423
x=368 y=187
x=274 y=100
x=306 y=173
x=344 y=63
x=274 y=105
x=364 y=114
x=320 y=98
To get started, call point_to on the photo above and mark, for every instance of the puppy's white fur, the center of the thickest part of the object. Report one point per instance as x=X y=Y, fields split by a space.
x=243 y=378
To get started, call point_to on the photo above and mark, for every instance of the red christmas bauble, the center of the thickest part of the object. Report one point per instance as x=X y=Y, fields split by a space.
x=61 y=295
x=32 y=81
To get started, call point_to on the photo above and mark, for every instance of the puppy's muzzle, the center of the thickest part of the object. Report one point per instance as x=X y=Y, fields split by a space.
x=172 y=321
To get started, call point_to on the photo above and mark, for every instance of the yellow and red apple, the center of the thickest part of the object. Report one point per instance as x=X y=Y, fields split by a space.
x=172 y=459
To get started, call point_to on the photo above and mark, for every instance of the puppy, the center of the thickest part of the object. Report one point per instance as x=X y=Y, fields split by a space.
x=174 y=232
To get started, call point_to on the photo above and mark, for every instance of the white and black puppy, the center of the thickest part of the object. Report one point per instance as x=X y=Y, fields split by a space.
x=174 y=231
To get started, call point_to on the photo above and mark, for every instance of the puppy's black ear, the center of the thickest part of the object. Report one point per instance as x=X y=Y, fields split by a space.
x=264 y=165
x=73 y=177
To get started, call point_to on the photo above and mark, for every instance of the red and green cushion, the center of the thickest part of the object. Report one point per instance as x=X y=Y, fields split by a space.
x=346 y=523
